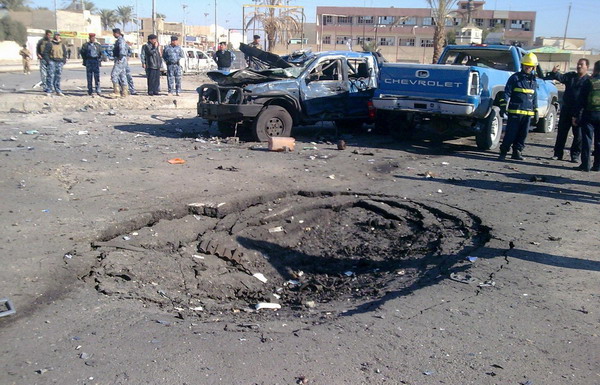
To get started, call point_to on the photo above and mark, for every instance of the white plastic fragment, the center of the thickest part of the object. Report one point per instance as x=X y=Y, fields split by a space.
x=198 y=256
x=277 y=229
x=440 y=191
x=348 y=273
x=267 y=305
x=332 y=176
x=260 y=277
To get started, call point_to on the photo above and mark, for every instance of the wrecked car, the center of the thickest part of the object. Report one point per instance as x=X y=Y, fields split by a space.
x=310 y=87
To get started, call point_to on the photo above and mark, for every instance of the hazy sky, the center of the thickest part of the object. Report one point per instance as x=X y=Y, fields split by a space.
x=551 y=14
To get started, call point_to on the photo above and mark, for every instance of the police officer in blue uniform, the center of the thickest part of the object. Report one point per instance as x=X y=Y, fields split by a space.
x=91 y=53
x=224 y=58
x=520 y=93
x=172 y=54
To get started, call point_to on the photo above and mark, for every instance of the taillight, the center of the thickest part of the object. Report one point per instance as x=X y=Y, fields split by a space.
x=474 y=84
x=371 y=109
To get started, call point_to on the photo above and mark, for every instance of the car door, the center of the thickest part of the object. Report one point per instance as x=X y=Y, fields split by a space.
x=543 y=94
x=324 y=90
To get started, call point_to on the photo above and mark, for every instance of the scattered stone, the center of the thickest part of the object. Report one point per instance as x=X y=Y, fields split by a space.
x=111 y=113
x=70 y=120
x=85 y=356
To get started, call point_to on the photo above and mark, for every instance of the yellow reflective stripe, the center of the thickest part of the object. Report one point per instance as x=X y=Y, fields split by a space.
x=521 y=112
x=524 y=90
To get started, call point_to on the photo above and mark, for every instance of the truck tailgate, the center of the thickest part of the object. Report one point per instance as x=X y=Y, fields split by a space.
x=435 y=81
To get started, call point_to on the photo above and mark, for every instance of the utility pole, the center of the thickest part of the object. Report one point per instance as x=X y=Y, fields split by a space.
x=184 y=6
x=55 y=16
x=567 y=26
x=154 y=17
x=216 y=33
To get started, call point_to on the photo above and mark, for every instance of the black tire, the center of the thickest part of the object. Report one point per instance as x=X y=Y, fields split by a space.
x=381 y=123
x=272 y=121
x=490 y=131
x=548 y=123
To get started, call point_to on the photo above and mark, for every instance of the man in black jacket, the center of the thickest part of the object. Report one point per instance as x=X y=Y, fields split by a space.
x=91 y=52
x=573 y=82
x=224 y=58
x=587 y=117
x=151 y=61
x=39 y=50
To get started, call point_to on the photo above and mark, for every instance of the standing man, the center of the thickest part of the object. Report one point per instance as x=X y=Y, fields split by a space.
x=254 y=44
x=26 y=55
x=224 y=58
x=55 y=54
x=520 y=93
x=588 y=117
x=118 y=76
x=573 y=82
x=39 y=50
x=151 y=62
x=172 y=54
x=91 y=53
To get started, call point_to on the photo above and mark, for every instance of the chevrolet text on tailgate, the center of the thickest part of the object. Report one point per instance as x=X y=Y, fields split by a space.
x=299 y=89
x=461 y=94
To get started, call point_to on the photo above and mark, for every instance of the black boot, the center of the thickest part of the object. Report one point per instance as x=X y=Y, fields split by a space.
x=502 y=155
x=517 y=155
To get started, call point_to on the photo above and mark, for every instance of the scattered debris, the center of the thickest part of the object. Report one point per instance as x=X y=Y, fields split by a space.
x=463 y=278
x=10 y=308
x=32 y=132
x=554 y=239
x=488 y=283
x=267 y=305
x=82 y=132
x=534 y=243
x=85 y=356
x=231 y=168
x=166 y=323
x=281 y=143
x=366 y=153
x=111 y=113
x=341 y=144
x=70 y=120
x=176 y=161
x=536 y=178
x=260 y=277
x=472 y=259
x=332 y=176
x=277 y=229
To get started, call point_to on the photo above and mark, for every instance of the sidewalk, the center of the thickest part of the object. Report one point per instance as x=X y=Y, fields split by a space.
x=34 y=66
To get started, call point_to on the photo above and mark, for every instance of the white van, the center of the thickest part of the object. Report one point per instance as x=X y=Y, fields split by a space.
x=195 y=61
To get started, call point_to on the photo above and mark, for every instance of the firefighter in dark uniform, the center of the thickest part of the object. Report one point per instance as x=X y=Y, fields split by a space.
x=573 y=82
x=520 y=93
x=589 y=121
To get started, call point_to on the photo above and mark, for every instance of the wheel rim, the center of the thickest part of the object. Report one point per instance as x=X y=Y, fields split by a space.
x=275 y=127
x=494 y=129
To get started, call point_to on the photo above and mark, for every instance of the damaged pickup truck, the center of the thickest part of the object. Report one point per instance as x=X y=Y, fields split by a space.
x=301 y=89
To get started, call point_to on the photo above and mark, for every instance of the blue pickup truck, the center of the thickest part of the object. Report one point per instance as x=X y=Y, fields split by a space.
x=299 y=89
x=461 y=94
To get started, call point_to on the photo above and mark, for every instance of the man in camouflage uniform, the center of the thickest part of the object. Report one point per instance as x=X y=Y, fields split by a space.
x=39 y=50
x=172 y=54
x=55 y=54
x=118 y=76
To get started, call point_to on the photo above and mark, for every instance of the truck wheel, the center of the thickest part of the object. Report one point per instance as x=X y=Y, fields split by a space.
x=490 y=131
x=382 y=122
x=272 y=121
x=548 y=122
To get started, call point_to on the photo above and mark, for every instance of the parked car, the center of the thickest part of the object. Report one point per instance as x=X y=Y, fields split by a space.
x=461 y=94
x=195 y=61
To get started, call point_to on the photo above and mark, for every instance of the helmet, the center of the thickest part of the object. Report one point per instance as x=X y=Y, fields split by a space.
x=529 y=60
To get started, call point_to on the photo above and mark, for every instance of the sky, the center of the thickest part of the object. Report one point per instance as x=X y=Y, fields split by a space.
x=551 y=14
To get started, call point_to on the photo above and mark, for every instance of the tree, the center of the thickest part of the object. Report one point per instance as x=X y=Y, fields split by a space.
x=90 y=6
x=440 y=11
x=125 y=14
x=160 y=16
x=15 y=5
x=108 y=18
x=276 y=22
x=12 y=30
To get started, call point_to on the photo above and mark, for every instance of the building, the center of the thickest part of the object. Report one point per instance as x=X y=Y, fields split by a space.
x=406 y=34
x=571 y=43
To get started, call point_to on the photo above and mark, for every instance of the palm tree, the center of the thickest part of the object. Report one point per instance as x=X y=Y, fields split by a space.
x=125 y=14
x=90 y=6
x=276 y=22
x=108 y=18
x=440 y=10
x=160 y=15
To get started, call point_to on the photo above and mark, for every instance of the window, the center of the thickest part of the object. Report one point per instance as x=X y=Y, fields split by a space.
x=342 y=39
x=344 y=19
x=386 y=20
x=479 y=22
x=451 y=22
x=408 y=21
x=406 y=42
x=327 y=39
x=428 y=21
x=200 y=55
x=326 y=70
x=426 y=43
x=362 y=40
x=190 y=54
x=365 y=20
x=521 y=24
x=327 y=19
x=387 y=41
x=497 y=22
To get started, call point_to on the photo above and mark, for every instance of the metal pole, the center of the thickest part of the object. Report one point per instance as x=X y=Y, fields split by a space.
x=183 y=26
x=154 y=17
x=216 y=37
x=55 y=15
x=566 y=26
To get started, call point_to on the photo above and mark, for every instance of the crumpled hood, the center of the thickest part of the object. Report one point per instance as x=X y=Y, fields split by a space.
x=249 y=76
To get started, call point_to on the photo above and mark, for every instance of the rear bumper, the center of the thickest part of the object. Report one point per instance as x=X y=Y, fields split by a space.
x=425 y=106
